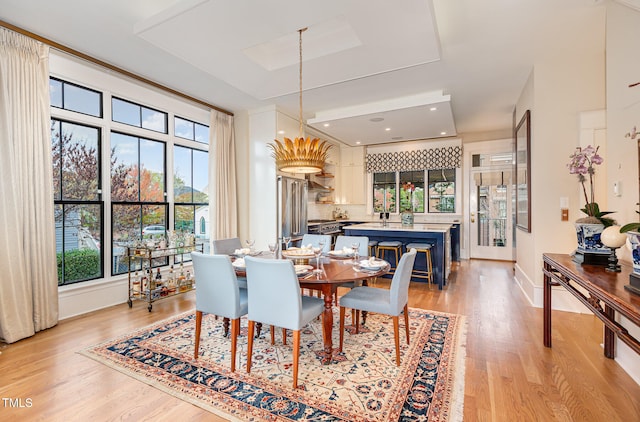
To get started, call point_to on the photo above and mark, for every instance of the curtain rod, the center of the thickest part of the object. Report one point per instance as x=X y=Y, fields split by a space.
x=99 y=62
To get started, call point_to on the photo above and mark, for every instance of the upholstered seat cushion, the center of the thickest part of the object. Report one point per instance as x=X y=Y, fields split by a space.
x=242 y=282
x=392 y=243
x=419 y=246
x=370 y=299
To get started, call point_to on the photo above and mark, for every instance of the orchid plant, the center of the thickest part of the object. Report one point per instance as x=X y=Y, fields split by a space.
x=582 y=163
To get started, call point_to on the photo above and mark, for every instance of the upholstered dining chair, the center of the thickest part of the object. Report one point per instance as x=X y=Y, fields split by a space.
x=314 y=240
x=275 y=299
x=391 y=302
x=363 y=251
x=228 y=247
x=218 y=293
x=347 y=241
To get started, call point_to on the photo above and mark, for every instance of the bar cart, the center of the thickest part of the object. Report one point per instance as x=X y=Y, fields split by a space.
x=147 y=286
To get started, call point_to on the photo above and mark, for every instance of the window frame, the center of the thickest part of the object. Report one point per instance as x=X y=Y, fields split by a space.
x=65 y=83
x=63 y=203
x=140 y=108
x=399 y=188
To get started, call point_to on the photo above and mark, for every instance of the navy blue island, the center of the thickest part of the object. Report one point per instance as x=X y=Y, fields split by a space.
x=437 y=234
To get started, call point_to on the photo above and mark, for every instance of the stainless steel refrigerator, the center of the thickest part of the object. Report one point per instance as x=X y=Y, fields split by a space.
x=292 y=207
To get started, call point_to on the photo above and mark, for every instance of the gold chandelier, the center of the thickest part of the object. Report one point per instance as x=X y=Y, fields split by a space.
x=300 y=155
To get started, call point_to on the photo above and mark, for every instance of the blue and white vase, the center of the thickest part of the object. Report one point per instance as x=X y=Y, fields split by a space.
x=634 y=241
x=589 y=239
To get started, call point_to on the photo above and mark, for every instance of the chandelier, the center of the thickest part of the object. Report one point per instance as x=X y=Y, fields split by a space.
x=300 y=155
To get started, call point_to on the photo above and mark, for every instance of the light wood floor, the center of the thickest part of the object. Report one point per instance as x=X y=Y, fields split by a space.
x=510 y=375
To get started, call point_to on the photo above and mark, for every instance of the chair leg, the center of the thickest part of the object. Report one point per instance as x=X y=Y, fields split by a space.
x=250 y=344
x=196 y=351
x=357 y=322
x=235 y=330
x=396 y=337
x=296 y=357
x=284 y=336
x=342 y=309
x=406 y=321
x=273 y=335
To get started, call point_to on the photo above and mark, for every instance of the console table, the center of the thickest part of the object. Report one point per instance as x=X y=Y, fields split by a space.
x=606 y=296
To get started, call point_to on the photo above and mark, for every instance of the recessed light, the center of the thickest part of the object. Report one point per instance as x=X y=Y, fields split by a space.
x=327 y=125
x=281 y=132
x=443 y=133
x=376 y=119
x=433 y=108
x=388 y=129
x=357 y=142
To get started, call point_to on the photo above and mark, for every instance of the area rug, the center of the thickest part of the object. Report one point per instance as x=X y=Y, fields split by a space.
x=362 y=384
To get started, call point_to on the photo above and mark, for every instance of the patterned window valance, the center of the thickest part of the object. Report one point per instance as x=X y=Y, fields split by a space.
x=435 y=158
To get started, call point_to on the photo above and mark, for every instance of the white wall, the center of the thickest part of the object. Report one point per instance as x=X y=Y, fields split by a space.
x=559 y=89
x=623 y=113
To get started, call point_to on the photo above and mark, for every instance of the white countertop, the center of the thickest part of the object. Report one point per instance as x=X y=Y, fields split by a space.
x=417 y=227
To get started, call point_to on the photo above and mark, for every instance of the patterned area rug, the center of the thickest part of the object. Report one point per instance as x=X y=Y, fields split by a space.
x=363 y=384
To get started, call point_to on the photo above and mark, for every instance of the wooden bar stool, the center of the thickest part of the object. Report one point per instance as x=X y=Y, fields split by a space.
x=426 y=249
x=372 y=247
x=394 y=246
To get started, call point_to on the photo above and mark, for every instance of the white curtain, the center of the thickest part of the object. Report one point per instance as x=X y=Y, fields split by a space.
x=222 y=175
x=29 y=282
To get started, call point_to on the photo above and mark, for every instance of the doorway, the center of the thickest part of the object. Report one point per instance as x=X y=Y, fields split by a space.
x=490 y=206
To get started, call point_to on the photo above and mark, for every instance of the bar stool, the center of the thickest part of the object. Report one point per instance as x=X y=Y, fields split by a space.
x=426 y=249
x=372 y=247
x=394 y=246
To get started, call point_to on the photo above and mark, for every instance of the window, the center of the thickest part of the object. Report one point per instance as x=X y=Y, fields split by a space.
x=412 y=191
x=190 y=190
x=384 y=192
x=137 y=194
x=135 y=177
x=410 y=185
x=136 y=115
x=442 y=191
x=78 y=208
x=193 y=131
x=73 y=97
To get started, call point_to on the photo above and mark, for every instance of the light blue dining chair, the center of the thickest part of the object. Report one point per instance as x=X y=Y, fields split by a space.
x=275 y=299
x=228 y=247
x=347 y=241
x=218 y=293
x=363 y=251
x=314 y=240
x=382 y=301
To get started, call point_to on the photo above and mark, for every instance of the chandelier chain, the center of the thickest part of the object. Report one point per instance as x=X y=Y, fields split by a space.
x=300 y=31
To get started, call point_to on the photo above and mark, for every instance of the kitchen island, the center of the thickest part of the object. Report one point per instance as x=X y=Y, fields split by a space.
x=437 y=234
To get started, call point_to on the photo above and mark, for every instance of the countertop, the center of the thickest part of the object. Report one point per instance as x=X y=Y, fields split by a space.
x=417 y=227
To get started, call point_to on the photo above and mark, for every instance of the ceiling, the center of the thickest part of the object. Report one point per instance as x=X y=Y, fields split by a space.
x=374 y=71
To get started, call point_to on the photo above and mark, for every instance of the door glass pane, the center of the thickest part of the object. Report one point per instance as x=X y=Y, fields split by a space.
x=492 y=215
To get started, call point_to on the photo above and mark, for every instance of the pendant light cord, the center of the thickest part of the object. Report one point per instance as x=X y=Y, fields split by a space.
x=300 y=31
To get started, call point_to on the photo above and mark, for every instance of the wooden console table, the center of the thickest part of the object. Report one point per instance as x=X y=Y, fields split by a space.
x=606 y=296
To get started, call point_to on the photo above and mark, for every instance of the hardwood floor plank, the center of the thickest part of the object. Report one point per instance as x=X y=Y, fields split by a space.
x=510 y=375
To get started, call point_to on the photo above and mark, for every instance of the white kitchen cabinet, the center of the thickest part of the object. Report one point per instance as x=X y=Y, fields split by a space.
x=351 y=184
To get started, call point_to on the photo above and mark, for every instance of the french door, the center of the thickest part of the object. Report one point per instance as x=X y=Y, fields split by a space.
x=491 y=215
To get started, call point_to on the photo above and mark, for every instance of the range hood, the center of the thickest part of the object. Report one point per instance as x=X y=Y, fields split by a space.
x=315 y=186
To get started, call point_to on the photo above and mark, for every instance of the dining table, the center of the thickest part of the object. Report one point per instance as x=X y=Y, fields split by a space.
x=334 y=271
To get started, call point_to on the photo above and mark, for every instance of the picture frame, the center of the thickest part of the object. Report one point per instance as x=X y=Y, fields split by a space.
x=523 y=172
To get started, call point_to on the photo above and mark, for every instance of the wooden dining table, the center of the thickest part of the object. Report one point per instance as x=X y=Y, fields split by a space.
x=335 y=272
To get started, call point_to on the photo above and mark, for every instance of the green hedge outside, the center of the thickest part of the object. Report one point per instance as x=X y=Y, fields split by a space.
x=79 y=264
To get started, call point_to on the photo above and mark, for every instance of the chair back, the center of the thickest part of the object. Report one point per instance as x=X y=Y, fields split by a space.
x=314 y=239
x=226 y=246
x=217 y=289
x=274 y=292
x=399 y=290
x=346 y=241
